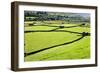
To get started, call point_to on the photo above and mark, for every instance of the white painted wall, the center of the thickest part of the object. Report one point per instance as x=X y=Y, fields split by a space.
x=5 y=40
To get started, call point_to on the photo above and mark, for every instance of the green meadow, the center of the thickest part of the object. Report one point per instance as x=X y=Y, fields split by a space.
x=45 y=41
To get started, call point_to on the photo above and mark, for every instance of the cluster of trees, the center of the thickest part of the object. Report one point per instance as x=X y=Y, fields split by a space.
x=45 y=16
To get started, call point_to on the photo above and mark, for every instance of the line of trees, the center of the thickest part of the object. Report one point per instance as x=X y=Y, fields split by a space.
x=45 y=16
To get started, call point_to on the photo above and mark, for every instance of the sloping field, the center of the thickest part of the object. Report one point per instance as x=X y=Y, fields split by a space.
x=51 y=42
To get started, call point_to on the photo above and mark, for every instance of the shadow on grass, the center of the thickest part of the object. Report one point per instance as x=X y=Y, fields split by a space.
x=31 y=53
x=83 y=34
x=54 y=30
x=59 y=26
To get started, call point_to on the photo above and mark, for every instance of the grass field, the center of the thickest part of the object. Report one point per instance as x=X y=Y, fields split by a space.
x=50 y=42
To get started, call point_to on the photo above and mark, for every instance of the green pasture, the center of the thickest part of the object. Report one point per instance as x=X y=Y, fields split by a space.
x=39 y=39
